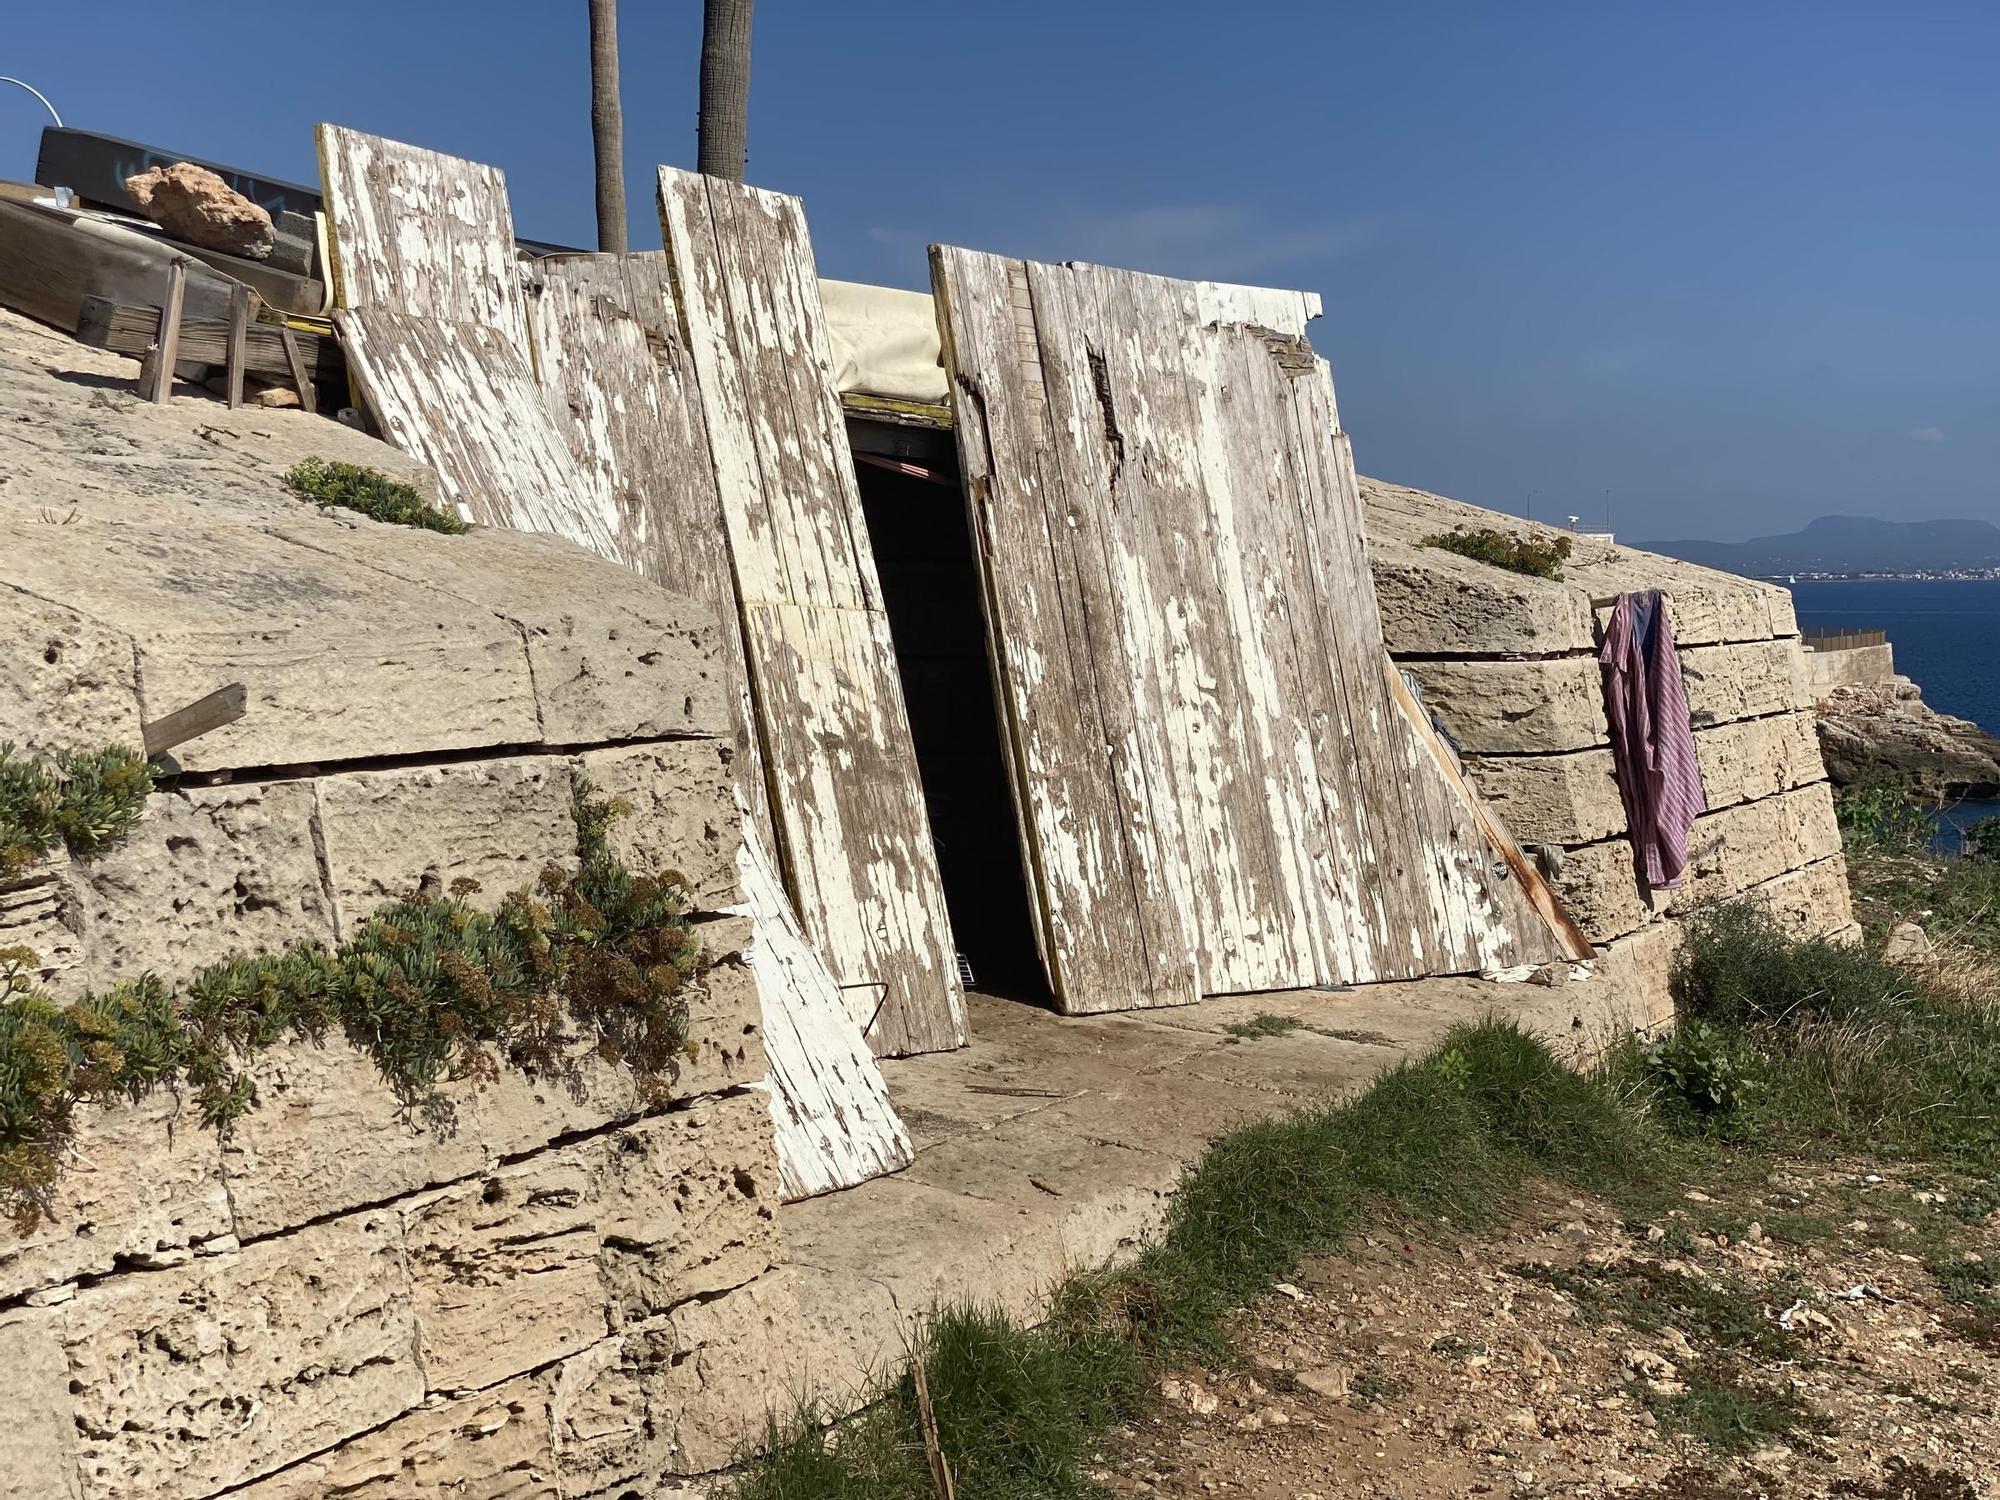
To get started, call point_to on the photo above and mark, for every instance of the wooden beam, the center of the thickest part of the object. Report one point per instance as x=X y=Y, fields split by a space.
x=239 y=330
x=167 y=349
x=308 y=398
x=223 y=706
x=131 y=329
x=48 y=266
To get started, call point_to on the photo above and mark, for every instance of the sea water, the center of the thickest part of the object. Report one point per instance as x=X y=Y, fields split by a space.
x=1946 y=636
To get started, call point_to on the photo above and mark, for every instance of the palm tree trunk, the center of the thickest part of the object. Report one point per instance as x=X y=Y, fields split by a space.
x=607 y=125
x=724 y=128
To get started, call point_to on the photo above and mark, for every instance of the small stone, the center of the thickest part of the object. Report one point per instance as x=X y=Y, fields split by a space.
x=1327 y=1380
x=1909 y=946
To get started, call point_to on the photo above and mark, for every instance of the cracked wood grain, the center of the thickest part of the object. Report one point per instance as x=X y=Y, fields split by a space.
x=1219 y=789
x=852 y=833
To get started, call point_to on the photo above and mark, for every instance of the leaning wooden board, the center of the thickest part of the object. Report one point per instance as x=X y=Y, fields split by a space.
x=617 y=375
x=852 y=828
x=1220 y=790
x=602 y=448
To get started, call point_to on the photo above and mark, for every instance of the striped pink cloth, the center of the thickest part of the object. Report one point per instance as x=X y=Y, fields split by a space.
x=1652 y=744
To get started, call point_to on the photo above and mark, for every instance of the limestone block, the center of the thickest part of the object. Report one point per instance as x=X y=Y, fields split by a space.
x=67 y=682
x=1704 y=605
x=726 y=1031
x=681 y=812
x=1573 y=798
x=210 y=872
x=1552 y=799
x=691 y=1202
x=494 y=1445
x=1438 y=603
x=613 y=657
x=1639 y=969
x=220 y=1370
x=1600 y=891
x=328 y=1134
x=1814 y=901
x=547 y=1256
x=1754 y=758
x=505 y=1269
x=42 y=910
x=496 y=822
x=678 y=1395
x=38 y=1437
x=1743 y=681
x=1729 y=851
x=341 y=660
x=145 y=1179
x=1514 y=707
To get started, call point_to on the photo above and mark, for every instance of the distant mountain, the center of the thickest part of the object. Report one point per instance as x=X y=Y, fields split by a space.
x=1849 y=544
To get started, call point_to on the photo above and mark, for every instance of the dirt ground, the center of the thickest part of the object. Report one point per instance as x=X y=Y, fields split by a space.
x=1560 y=1357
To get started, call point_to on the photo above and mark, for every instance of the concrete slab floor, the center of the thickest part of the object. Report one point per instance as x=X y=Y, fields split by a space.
x=1052 y=1144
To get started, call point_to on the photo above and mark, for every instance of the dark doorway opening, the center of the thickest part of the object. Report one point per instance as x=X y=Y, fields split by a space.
x=918 y=529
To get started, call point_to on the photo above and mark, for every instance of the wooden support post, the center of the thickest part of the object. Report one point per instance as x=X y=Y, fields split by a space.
x=239 y=332
x=223 y=706
x=307 y=397
x=167 y=346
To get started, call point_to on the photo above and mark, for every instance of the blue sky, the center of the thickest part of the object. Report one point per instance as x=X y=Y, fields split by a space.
x=1712 y=269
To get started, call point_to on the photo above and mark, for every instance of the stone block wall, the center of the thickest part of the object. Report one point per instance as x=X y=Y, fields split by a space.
x=566 y=1294
x=1856 y=666
x=1508 y=664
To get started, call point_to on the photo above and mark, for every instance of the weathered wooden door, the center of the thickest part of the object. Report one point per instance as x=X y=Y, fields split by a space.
x=1222 y=787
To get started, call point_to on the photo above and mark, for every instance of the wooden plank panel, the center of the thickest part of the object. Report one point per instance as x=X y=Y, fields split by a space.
x=606 y=444
x=419 y=233
x=1111 y=936
x=461 y=397
x=835 y=1123
x=852 y=831
x=1260 y=769
x=616 y=373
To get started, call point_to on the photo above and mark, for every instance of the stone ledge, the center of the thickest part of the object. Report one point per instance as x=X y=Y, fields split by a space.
x=1573 y=798
x=1548 y=705
x=1728 y=852
x=1436 y=602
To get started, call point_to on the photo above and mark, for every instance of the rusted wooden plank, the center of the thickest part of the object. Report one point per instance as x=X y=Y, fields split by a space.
x=852 y=832
x=1166 y=509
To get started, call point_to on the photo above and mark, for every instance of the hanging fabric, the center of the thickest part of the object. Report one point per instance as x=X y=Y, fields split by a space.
x=1652 y=742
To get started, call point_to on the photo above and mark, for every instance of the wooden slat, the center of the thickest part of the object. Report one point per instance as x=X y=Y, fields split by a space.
x=131 y=329
x=1191 y=654
x=223 y=706
x=853 y=834
x=835 y=1123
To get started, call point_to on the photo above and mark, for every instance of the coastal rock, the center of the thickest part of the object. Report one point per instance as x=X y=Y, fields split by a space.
x=198 y=206
x=1887 y=728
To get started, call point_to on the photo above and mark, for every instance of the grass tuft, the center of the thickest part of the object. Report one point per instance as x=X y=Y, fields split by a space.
x=1455 y=1133
x=1501 y=549
x=328 y=482
x=1732 y=1413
